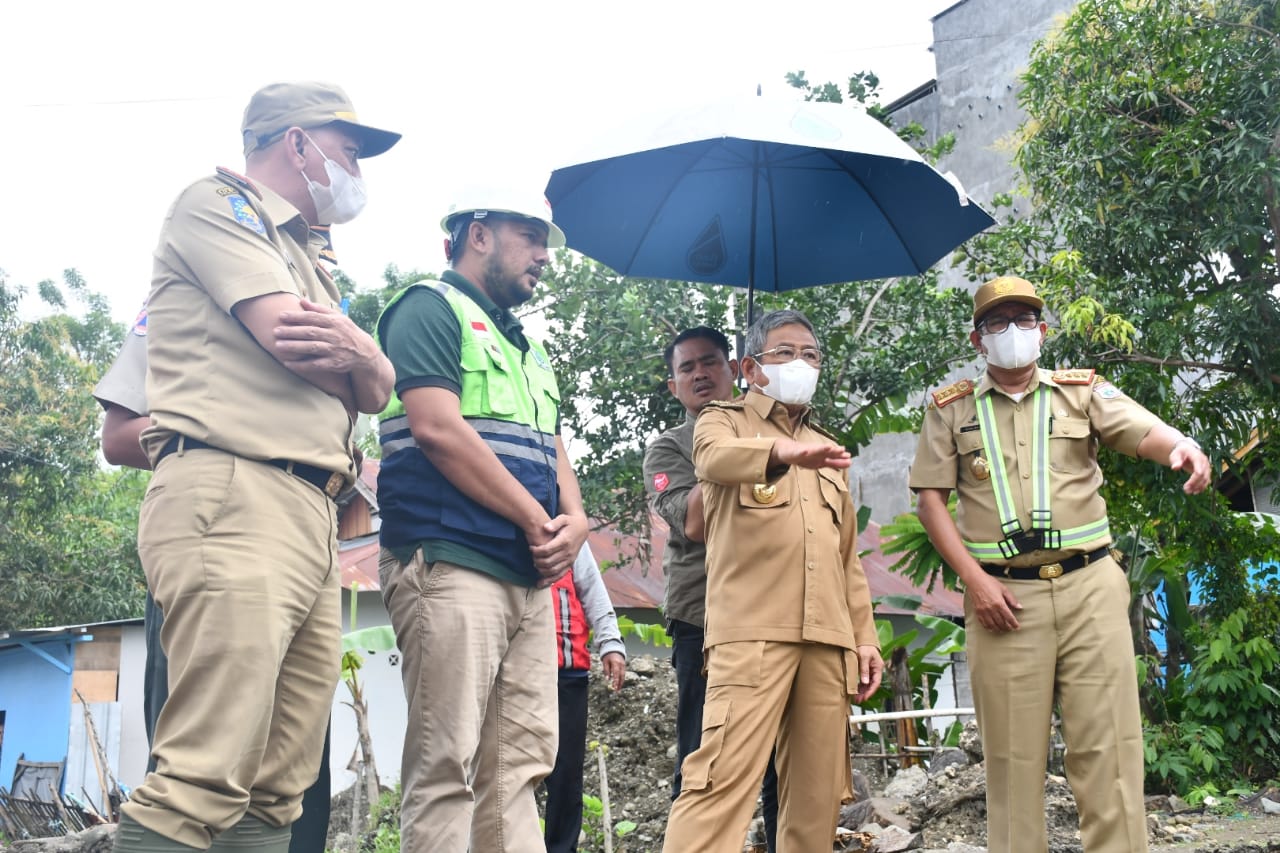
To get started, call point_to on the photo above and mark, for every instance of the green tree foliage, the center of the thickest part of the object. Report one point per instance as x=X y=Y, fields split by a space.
x=1151 y=153
x=67 y=551
x=884 y=340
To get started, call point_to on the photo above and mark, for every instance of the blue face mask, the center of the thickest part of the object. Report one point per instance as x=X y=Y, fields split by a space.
x=342 y=200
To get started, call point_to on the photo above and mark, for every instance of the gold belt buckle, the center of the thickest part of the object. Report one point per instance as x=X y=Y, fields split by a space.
x=334 y=484
x=1051 y=571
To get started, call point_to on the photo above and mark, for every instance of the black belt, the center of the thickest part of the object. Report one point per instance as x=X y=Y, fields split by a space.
x=1049 y=571
x=329 y=482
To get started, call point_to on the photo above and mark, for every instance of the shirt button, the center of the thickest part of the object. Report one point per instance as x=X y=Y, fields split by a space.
x=1022 y=442
x=810 y=529
x=811 y=565
x=1017 y=408
x=804 y=498
x=1026 y=476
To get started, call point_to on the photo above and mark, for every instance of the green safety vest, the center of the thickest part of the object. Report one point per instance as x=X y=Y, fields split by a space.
x=1043 y=535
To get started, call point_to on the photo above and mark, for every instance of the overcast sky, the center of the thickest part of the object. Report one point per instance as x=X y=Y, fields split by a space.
x=110 y=109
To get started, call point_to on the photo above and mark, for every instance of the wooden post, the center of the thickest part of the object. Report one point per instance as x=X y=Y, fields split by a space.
x=605 y=817
x=901 y=674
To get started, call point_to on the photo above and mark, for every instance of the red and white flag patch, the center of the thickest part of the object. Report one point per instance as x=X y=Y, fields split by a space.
x=660 y=482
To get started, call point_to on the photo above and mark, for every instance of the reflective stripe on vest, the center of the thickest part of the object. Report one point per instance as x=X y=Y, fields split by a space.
x=504 y=438
x=1072 y=537
x=1041 y=512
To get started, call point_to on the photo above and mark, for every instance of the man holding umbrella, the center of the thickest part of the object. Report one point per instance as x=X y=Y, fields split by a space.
x=789 y=629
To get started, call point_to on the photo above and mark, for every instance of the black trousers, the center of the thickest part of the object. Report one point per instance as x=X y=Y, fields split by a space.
x=311 y=831
x=691 y=692
x=563 y=819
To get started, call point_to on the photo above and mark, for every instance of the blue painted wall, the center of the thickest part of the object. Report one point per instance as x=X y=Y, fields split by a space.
x=36 y=698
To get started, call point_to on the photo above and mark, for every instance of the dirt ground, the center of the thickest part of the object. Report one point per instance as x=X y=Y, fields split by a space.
x=637 y=725
x=637 y=728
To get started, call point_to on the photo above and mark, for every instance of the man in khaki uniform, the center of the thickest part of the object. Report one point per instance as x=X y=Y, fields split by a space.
x=700 y=371
x=1046 y=606
x=789 y=630
x=254 y=380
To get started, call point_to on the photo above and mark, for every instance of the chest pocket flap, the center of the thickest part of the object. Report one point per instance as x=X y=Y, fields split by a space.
x=834 y=486
x=487 y=383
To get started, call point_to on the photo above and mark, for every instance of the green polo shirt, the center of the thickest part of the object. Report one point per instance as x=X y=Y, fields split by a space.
x=424 y=343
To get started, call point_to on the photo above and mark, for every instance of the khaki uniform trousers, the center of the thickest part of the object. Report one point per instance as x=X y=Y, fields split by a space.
x=242 y=560
x=479 y=670
x=760 y=694
x=1074 y=647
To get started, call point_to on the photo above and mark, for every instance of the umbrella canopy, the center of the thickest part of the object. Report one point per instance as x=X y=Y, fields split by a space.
x=761 y=193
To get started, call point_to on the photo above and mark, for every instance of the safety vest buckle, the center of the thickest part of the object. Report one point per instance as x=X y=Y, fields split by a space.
x=1041 y=519
x=1052 y=540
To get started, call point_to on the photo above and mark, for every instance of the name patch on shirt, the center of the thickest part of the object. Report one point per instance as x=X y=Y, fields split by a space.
x=660 y=482
x=140 y=323
x=246 y=215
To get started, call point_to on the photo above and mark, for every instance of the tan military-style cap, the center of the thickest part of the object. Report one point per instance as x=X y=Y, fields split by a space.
x=275 y=108
x=1006 y=288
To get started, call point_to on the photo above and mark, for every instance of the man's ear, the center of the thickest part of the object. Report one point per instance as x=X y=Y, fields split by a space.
x=749 y=371
x=733 y=368
x=671 y=386
x=975 y=338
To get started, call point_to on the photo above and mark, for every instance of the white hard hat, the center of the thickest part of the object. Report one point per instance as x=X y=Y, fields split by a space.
x=480 y=203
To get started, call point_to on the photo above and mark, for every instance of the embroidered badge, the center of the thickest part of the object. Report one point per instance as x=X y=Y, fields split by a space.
x=1105 y=390
x=479 y=326
x=245 y=214
x=140 y=322
x=660 y=482
x=225 y=191
x=541 y=360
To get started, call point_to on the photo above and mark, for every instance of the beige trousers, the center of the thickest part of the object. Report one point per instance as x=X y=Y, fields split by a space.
x=760 y=694
x=242 y=559
x=1073 y=647
x=479 y=670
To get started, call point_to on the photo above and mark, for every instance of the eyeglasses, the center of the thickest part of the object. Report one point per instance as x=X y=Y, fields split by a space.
x=997 y=325
x=783 y=353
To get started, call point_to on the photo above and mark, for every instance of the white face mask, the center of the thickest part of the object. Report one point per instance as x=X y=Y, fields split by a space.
x=342 y=200
x=791 y=384
x=1013 y=348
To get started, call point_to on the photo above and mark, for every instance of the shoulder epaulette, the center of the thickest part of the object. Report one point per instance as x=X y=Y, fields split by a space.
x=738 y=404
x=947 y=396
x=1075 y=376
x=240 y=181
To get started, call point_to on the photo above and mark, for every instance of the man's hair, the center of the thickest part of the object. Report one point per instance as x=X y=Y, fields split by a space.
x=760 y=329
x=717 y=338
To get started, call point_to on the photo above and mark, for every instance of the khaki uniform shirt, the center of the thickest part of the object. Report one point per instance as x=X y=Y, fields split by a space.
x=125 y=382
x=668 y=479
x=1086 y=411
x=785 y=569
x=224 y=241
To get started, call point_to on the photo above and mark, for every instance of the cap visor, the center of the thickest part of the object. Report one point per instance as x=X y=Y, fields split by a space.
x=372 y=140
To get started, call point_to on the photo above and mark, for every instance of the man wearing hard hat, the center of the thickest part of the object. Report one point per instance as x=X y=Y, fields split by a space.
x=480 y=512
